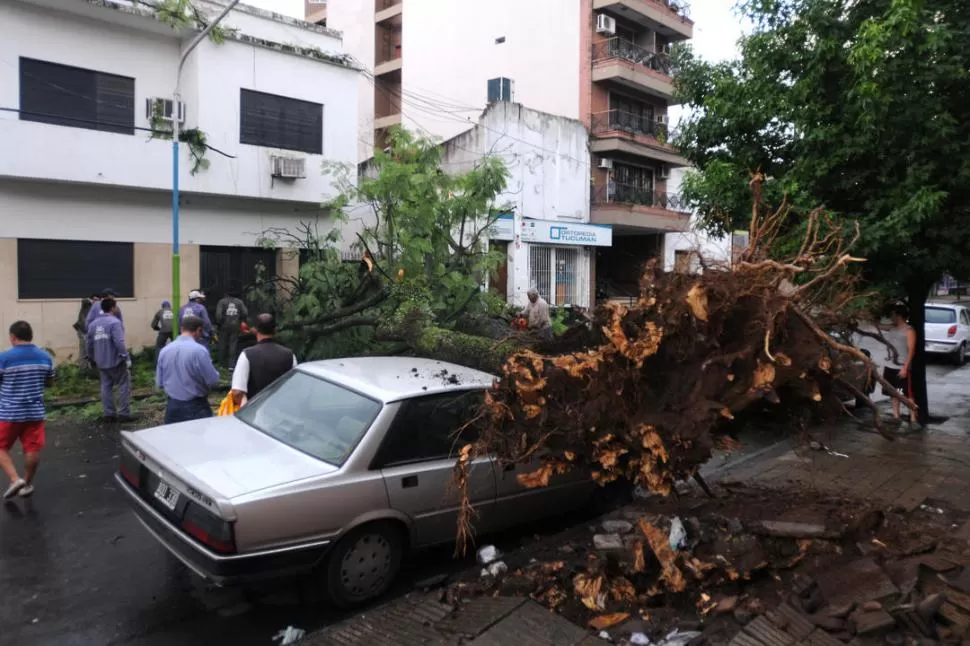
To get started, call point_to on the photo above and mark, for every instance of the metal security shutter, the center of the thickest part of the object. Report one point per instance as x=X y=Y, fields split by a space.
x=275 y=121
x=76 y=97
x=49 y=269
x=540 y=271
x=225 y=268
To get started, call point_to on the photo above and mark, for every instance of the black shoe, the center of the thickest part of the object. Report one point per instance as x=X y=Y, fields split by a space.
x=127 y=418
x=109 y=419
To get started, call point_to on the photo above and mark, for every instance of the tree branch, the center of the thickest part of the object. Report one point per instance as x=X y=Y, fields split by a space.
x=343 y=312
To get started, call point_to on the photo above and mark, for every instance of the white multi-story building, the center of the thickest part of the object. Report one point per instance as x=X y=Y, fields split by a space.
x=432 y=66
x=85 y=198
x=551 y=244
x=692 y=250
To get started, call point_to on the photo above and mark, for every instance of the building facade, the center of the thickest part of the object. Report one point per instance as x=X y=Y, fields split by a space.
x=545 y=229
x=85 y=188
x=692 y=250
x=432 y=66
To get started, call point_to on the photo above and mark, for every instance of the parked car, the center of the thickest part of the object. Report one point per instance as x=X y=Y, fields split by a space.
x=947 y=330
x=335 y=470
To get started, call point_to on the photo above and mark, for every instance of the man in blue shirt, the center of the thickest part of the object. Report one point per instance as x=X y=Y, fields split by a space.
x=106 y=345
x=196 y=307
x=96 y=311
x=25 y=370
x=186 y=374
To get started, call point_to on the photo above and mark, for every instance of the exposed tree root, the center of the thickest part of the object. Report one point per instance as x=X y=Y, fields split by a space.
x=652 y=389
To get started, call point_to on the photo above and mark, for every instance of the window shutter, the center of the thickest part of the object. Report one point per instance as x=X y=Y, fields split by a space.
x=494 y=90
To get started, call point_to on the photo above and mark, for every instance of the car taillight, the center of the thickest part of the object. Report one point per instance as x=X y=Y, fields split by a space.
x=130 y=468
x=952 y=331
x=208 y=529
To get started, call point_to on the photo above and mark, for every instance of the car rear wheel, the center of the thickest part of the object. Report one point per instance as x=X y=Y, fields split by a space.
x=364 y=563
x=960 y=356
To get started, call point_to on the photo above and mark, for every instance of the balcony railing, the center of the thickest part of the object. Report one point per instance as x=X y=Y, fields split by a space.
x=679 y=7
x=616 y=193
x=617 y=47
x=628 y=122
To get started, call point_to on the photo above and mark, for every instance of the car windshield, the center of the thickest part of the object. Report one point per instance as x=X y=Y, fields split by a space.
x=312 y=415
x=940 y=315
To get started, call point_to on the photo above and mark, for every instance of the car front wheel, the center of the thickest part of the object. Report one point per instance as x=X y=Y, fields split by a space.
x=364 y=563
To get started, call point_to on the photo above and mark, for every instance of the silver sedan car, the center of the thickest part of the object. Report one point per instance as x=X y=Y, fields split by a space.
x=335 y=470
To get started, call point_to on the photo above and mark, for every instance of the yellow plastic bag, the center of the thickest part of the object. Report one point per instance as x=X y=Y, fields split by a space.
x=228 y=406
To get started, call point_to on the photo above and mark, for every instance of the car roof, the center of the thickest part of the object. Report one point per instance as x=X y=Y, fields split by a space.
x=390 y=379
x=949 y=306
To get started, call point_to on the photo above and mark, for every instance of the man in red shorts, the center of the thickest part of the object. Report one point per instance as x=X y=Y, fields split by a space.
x=25 y=370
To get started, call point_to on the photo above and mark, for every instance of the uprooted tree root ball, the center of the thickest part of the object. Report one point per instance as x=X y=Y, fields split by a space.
x=650 y=391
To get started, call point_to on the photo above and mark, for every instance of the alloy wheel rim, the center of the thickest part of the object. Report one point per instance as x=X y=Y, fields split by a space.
x=365 y=566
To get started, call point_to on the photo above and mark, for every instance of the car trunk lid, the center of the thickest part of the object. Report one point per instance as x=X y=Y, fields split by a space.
x=939 y=323
x=222 y=458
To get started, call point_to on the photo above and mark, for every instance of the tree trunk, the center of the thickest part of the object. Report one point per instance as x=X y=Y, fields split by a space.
x=916 y=293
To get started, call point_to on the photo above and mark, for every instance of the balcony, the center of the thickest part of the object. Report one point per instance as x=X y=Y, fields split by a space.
x=636 y=209
x=616 y=131
x=625 y=63
x=666 y=17
x=388 y=12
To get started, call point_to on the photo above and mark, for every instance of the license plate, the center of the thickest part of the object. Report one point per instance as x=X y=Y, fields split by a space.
x=167 y=495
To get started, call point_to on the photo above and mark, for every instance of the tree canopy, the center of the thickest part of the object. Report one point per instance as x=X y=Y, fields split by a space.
x=859 y=106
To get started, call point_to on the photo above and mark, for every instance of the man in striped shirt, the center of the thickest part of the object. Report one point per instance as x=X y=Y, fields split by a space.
x=25 y=370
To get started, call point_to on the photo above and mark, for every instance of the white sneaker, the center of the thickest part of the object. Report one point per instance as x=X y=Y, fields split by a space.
x=27 y=491
x=14 y=488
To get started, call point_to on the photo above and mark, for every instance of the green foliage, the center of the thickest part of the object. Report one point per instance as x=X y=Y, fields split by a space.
x=182 y=14
x=558 y=320
x=194 y=137
x=858 y=106
x=425 y=245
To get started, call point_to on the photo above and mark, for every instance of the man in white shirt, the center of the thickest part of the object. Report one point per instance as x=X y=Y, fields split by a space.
x=262 y=364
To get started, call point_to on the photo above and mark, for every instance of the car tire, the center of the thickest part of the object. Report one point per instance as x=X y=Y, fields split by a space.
x=960 y=356
x=364 y=564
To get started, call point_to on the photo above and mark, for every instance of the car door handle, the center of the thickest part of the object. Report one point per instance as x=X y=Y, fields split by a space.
x=409 y=481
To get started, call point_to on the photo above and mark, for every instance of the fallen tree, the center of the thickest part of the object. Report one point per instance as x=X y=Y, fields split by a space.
x=651 y=390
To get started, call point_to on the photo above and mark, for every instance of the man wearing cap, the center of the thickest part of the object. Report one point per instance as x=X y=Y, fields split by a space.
x=163 y=322
x=195 y=308
x=96 y=311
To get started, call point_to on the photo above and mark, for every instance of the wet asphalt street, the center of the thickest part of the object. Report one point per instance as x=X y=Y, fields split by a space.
x=76 y=567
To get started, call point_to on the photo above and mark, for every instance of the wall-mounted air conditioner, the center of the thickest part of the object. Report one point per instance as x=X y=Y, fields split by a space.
x=163 y=109
x=289 y=167
x=605 y=24
x=606 y=163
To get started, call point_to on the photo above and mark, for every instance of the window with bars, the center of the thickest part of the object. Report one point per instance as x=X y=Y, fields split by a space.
x=553 y=272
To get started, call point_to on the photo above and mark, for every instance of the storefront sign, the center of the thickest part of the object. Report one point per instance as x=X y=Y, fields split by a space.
x=503 y=228
x=566 y=233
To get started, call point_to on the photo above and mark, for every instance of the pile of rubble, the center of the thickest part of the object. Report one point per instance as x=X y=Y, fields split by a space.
x=854 y=574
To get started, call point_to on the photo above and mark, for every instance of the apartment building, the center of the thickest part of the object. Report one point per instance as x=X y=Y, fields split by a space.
x=85 y=190
x=433 y=66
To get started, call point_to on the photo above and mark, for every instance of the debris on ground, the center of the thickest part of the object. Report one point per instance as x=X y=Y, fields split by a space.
x=754 y=568
x=649 y=390
x=289 y=635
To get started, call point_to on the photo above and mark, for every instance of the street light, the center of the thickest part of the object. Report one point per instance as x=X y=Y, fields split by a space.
x=177 y=96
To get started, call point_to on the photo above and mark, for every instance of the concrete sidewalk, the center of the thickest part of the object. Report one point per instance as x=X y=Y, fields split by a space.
x=420 y=619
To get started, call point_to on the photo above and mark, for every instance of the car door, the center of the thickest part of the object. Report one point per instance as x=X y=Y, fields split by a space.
x=964 y=334
x=515 y=504
x=417 y=460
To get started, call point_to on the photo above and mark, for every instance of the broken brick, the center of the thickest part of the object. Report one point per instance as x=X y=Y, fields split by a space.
x=871 y=622
x=608 y=542
x=860 y=581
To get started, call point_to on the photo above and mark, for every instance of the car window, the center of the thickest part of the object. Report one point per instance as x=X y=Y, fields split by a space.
x=318 y=417
x=430 y=428
x=940 y=315
x=964 y=317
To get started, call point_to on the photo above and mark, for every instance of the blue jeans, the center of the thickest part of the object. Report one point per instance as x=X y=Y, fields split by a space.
x=183 y=411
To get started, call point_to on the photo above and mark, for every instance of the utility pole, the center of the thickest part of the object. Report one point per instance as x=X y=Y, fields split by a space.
x=177 y=97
